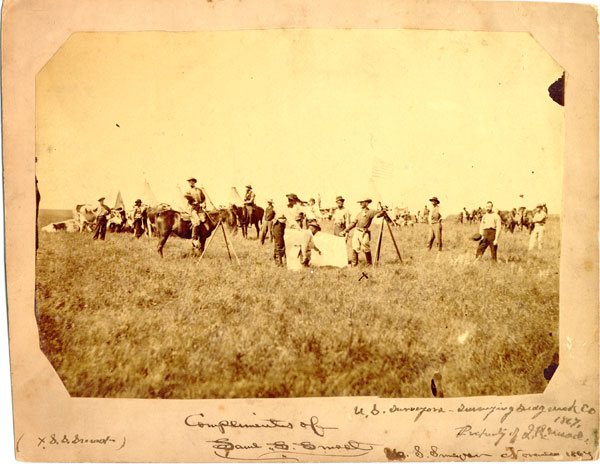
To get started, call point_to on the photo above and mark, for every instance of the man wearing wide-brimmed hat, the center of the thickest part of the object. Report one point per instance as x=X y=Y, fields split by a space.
x=307 y=243
x=340 y=217
x=361 y=240
x=249 y=202
x=278 y=240
x=539 y=224
x=138 y=218
x=267 y=225
x=102 y=211
x=196 y=203
x=435 y=224
x=292 y=212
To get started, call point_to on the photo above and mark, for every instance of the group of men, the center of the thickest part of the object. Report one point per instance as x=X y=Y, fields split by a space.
x=299 y=217
x=306 y=219
x=103 y=212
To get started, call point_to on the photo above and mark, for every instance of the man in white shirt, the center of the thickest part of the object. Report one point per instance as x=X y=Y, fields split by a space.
x=490 y=229
x=292 y=212
x=312 y=211
x=539 y=223
x=340 y=217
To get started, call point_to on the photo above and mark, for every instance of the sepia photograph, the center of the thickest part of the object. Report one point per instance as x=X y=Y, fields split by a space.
x=301 y=232
x=299 y=213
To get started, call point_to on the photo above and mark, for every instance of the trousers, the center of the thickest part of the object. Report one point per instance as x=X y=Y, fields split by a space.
x=537 y=235
x=361 y=241
x=435 y=231
x=100 y=228
x=489 y=235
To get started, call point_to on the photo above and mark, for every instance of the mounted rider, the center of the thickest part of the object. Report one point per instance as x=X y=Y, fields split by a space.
x=249 y=202
x=196 y=205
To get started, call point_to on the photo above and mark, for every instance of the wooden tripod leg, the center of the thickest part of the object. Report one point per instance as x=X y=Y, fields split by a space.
x=394 y=241
x=210 y=239
x=379 y=239
x=229 y=242
x=226 y=242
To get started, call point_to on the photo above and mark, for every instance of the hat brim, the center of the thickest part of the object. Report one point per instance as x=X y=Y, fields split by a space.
x=193 y=179
x=365 y=201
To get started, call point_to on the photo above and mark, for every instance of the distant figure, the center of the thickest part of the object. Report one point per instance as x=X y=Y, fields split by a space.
x=435 y=224
x=267 y=225
x=138 y=218
x=313 y=211
x=425 y=214
x=341 y=217
x=249 y=199
x=467 y=215
x=195 y=207
x=102 y=211
x=539 y=224
x=278 y=240
x=361 y=240
x=308 y=244
x=490 y=229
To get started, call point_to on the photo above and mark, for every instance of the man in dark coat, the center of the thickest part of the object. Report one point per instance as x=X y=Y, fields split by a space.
x=102 y=211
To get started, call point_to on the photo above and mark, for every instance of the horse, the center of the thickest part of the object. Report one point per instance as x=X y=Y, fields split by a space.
x=229 y=218
x=245 y=221
x=172 y=222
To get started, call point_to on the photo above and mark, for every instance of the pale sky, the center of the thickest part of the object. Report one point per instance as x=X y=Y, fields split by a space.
x=464 y=116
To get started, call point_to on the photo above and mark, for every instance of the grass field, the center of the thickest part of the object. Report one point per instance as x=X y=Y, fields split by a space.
x=116 y=320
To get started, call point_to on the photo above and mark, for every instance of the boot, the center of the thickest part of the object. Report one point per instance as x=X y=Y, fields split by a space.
x=354 y=258
x=368 y=258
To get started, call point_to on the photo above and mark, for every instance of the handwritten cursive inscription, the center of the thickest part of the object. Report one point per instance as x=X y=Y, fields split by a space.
x=313 y=424
x=76 y=440
x=288 y=451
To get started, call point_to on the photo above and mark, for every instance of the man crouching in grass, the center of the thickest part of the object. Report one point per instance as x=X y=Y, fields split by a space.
x=308 y=243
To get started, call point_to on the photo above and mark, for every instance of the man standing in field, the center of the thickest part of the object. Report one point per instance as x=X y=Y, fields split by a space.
x=361 y=240
x=196 y=204
x=138 y=218
x=278 y=240
x=292 y=212
x=267 y=225
x=102 y=211
x=539 y=224
x=435 y=224
x=341 y=217
x=490 y=229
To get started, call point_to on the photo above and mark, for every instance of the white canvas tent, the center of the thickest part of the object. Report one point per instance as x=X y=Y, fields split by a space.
x=148 y=196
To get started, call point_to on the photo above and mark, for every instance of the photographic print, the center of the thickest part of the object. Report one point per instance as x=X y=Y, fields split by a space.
x=402 y=148
x=298 y=233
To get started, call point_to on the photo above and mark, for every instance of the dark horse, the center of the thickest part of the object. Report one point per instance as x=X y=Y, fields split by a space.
x=173 y=222
x=245 y=221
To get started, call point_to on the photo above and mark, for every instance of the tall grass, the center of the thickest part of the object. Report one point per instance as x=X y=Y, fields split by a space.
x=116 y=320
